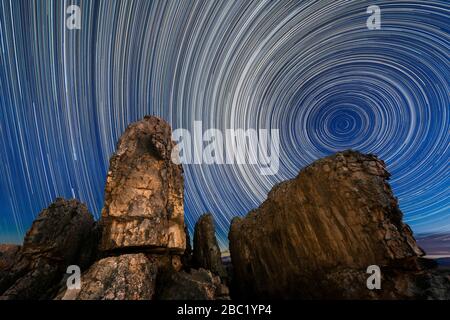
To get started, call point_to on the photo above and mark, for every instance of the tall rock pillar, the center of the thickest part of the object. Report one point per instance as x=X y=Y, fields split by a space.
x=144 y=192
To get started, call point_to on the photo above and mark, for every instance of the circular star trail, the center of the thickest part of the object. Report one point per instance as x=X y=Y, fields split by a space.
x=311 y=69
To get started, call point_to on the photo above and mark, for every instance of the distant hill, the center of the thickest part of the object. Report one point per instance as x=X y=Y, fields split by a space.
x=436 y=246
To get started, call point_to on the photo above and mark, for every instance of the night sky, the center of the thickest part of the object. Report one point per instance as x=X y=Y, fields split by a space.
x=313 y=70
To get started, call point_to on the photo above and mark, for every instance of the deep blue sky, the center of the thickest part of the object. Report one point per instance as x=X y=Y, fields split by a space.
x=313 y=70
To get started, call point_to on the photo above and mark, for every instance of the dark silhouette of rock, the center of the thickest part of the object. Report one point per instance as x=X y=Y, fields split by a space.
x=198 y=284
x=144 y=192
x=124 y=277
x=186 y=258
x=62 y=235
x=206 y=250
x=316 y=235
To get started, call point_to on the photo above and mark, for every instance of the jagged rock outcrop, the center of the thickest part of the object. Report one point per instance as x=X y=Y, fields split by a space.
x=316 y=235
x=144 y=192
x=125 y=277
x=206 y=250
x=62 y=235
x=140 y=243
x=142 y=223
x=196 y=284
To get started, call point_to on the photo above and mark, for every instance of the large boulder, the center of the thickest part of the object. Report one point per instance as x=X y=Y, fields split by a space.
x=124 y=277
x=144 y=192
x=206 y=250
x=316 y=235
x=62 y=235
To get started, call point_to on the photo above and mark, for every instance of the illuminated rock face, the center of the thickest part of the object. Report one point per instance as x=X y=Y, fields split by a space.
x=125 y=277
x=144 y=192
x=315 y=236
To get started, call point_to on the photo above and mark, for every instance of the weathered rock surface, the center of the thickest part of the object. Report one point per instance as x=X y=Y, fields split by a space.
x=315 y=236
x=62 y=235
x=144 y=192
x=206 y=250
x=8 y=254
x=125 y=277
x=198 y=284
